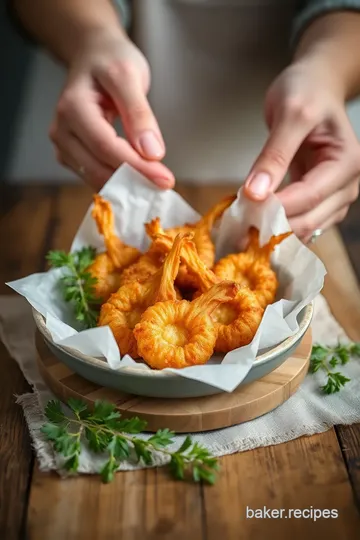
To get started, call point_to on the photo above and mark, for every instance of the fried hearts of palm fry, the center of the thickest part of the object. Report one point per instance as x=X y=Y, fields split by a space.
x=179 y=334
x=124 y=308
x=237 y=320
x=252 y=267
x=107 y=266
x=146 y=266
x=202 y=239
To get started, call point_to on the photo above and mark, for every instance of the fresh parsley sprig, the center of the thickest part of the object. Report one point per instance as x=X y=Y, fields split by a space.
x=105 y=432
x=327 y=358
x=77 y=284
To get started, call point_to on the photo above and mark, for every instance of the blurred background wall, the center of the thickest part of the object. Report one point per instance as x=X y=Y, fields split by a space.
x=31 y=83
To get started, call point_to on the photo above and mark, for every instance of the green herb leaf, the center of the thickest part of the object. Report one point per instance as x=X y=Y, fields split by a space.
x=355 y=349
x=335 y=382
x=177 y=467
x=105 y=411
x=72 y=464
x=133 y=425
x=119 y=447
x=54 y=412
x=52 y=431
x=57 y=259
x=343 y=354
x=162 y=438
x=77 y=284
x=98 y=440
x=327 y=358
x=78 y=407
x=107 y=472
x=142 y=452
x=185 y=445
x=206 y=475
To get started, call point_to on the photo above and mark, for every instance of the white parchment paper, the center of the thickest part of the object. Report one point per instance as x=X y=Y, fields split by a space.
x=136 y=201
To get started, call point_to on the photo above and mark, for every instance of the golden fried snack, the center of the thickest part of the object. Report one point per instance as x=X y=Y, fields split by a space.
x=252 y=268
x=202 y=277
x=121 y=254
x=179 y=334
x=108 y=266
x=107 y=276
x=146 y=266
x=236 y=321
x=124 y=308
x=202 y=239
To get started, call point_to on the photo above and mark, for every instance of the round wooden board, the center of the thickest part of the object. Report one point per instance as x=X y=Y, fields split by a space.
x=185 y=415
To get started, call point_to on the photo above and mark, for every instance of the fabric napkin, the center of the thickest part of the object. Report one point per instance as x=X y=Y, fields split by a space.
x=307 y=412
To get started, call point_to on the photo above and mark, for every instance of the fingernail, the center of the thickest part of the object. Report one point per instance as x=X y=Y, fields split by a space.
x=150 y=145
x=164 y=182
x=259 y=185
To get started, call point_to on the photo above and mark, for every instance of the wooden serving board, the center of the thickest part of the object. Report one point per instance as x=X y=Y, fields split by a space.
x=185 y=415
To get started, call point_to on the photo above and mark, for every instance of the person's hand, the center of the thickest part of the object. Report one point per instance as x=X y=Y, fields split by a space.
x=109 y=77
x=312 y=139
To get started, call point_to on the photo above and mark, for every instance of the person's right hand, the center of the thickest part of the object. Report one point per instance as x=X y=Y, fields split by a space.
x=109 y=77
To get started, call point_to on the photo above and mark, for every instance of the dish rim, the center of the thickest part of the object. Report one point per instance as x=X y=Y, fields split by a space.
x=260 y=360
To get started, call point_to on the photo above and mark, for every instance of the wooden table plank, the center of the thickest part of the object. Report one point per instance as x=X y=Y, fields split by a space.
x=341 y=288
x=137 y=505
x=301 y=474
x=343 y=296
x=15 y=451
x=23 y=234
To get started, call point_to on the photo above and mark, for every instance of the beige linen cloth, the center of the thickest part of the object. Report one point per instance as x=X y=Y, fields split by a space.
x=307 y=412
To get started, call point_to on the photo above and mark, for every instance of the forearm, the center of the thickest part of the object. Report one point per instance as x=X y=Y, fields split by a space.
x=62 y=26
x=331 y=43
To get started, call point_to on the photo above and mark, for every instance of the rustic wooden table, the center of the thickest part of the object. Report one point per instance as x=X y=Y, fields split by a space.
x=322 y=471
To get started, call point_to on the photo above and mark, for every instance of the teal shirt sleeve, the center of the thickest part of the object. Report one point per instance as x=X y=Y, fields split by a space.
x=124 y=10
x=309 y=10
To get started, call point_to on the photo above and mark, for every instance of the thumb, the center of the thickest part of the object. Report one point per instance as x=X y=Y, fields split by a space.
x=273 y=162
x=138 y=120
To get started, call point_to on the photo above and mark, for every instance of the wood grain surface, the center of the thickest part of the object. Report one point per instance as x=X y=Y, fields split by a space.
x=321 y=471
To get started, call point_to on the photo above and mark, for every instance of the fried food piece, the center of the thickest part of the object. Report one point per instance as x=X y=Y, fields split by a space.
x=121 y=254
x=124 y=308
x=107 y=277
x=202 y=277
x=107 y=266
x=252 y=268
x=146 y=266
x=202 y=239
x=181 y=334
x=237 y=320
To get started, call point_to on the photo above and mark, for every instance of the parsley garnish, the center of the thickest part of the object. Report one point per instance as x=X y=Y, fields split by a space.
x=327 y=358
x=77 y=284
x=105 y=432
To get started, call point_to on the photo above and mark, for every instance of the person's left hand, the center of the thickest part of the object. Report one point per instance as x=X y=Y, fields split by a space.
x=312 y=138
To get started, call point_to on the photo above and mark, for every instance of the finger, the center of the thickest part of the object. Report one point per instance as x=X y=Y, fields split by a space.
x=123 y=83
x=67 y=161
x=305 y=224
x=82 y=162
x=83 y=118
x=315 y=186
x=338 y=217
x=284 y=141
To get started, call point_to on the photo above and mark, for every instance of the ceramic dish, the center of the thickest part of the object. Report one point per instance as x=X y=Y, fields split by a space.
x=152 y=383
